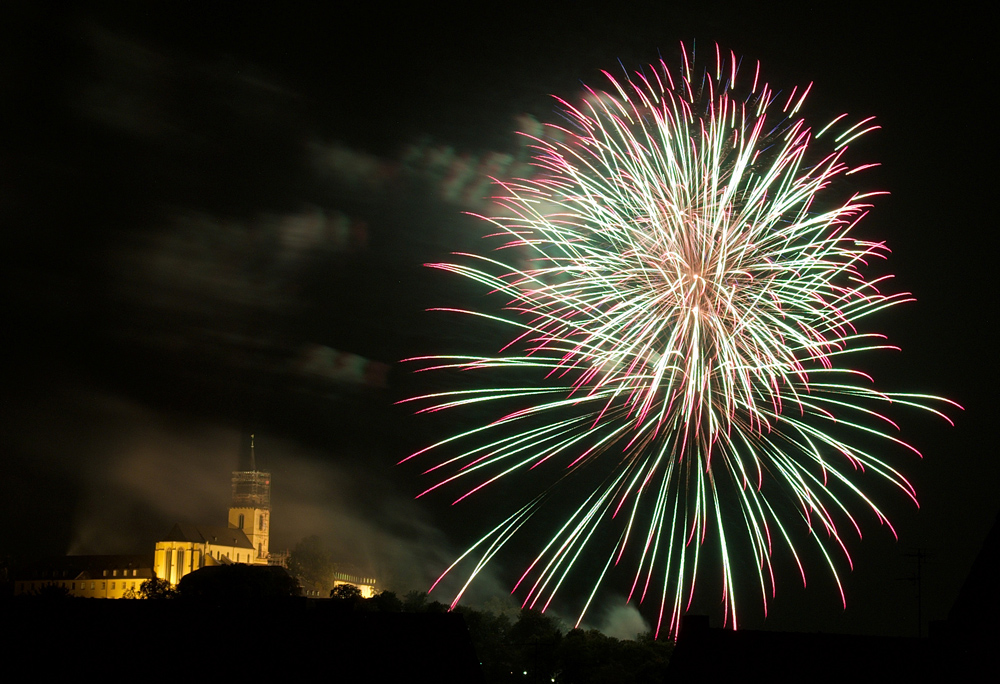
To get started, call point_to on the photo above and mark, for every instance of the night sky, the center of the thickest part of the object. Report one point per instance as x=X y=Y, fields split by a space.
x=215 y=222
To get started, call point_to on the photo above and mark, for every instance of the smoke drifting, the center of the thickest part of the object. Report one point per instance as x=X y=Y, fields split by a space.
x=235 y=260
x=621 y=620
x=134 y=471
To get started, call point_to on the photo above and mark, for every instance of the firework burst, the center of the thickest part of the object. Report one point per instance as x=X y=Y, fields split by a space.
x=688 y=293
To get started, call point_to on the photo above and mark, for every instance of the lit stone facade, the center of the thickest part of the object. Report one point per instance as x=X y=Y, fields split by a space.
x=366 y=585
x=183 y=550
x=246 y=540
x=88 y=576
x=251 y=510
x=190 y=547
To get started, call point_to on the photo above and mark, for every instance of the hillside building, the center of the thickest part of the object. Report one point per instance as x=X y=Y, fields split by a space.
x=87 y=576
x=187 y=548
x=184 y=549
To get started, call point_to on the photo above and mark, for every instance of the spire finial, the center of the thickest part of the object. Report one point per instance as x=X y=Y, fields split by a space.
x=253 y=464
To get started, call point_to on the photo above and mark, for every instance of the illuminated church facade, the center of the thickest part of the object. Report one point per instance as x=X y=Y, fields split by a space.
x=184 y=549
x=187 y=548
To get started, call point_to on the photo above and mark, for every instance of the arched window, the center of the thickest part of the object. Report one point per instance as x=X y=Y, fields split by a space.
x=260 y=524
x=241 y=521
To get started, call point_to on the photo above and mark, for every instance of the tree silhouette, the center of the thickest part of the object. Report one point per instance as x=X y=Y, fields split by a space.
x=156 y=588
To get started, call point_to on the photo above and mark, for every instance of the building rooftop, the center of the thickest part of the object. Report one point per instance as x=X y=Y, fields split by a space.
x=210 y=534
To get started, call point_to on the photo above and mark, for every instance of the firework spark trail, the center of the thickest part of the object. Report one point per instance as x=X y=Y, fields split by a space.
x=688 y=302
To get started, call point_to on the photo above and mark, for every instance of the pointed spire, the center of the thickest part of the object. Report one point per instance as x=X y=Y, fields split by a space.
x=253 y=463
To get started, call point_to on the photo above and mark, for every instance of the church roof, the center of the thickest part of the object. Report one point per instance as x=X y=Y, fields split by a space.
x=90 y=567
x=209 y=534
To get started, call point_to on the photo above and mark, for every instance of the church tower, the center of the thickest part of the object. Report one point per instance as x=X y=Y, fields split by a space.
x=251 y=507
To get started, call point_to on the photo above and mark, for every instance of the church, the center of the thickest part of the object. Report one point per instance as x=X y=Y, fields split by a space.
x=184 y=549
x=187 y=548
